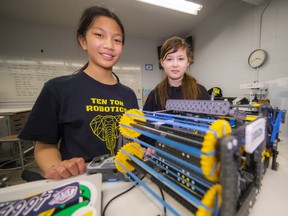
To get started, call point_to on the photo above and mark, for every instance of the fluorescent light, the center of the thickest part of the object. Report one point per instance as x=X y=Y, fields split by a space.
x=179 y=5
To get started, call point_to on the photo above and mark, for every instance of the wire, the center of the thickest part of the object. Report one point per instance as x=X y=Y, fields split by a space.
x=260 y=32
x=162 y=194
x=261 y=22
x=103 y=212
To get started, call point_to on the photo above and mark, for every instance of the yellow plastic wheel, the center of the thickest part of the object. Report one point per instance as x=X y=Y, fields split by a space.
x=208 y=163
x=132 y=148
x=209 y=200
x=128 y=120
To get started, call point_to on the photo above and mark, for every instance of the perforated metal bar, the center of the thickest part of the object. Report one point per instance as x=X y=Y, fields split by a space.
x=199 y=106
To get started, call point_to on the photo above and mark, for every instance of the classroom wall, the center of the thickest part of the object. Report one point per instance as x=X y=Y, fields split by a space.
x=222 y=44
x=224 y=41
x=22 y=40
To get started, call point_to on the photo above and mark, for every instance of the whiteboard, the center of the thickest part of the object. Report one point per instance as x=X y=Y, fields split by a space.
x=21 y=80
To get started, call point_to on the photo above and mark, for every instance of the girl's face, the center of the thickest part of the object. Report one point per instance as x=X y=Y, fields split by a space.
x=103 y=43
x=175 y=65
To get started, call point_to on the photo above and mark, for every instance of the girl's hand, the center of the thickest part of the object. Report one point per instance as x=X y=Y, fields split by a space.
x=66 y=169
x=149 y=151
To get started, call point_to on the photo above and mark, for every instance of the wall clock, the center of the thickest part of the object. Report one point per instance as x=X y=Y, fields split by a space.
x=257 y=58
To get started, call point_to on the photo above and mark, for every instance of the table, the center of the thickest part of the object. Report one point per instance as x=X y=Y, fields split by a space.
x=137 y=201
x=272 y=199
x=15 y=118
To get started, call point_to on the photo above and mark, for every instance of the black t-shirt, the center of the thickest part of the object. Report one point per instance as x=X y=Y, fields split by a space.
x=81 y=113
x=175 y=93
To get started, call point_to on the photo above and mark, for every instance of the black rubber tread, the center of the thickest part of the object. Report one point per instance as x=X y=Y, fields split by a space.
x=229 y=176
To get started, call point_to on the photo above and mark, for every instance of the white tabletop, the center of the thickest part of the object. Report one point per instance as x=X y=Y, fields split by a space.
x=273 y=197
x=272 y=200
x=137 y=201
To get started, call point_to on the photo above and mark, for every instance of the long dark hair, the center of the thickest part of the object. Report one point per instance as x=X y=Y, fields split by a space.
x=88 y=17
x=189 y=88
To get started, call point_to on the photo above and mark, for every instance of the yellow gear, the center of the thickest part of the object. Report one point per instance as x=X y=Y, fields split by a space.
x=132 y=148
x=209 y=145
x=128 y=120
x=251 y=118
x=209 y=200
x=266 y=154
x=256 y=105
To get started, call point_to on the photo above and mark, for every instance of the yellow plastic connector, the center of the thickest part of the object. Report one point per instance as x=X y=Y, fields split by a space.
x=127 y=120
x=132 y=148
x=209 y=200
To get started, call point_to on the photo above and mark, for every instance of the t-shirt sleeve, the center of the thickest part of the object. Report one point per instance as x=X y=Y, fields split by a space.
x=204 y=95
x=150 y=101
x=135 y=104
x=42 y=124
